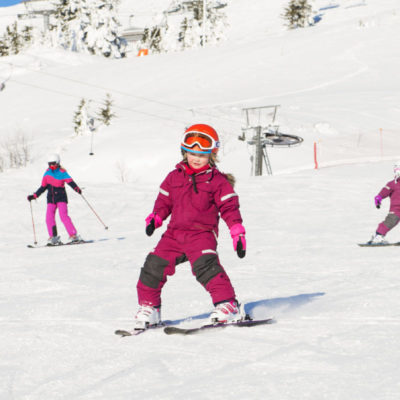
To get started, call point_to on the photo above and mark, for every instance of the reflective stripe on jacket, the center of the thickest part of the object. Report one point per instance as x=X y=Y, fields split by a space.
x=197 y=201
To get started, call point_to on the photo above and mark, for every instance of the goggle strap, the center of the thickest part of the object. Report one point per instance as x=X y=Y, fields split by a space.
x=207 y=151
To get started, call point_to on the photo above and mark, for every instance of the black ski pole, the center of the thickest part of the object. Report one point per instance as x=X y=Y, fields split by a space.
x=33 y=225
x=94 y=212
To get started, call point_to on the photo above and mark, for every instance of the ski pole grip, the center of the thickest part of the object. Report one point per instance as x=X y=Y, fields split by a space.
x=239 y=249
x=150 y=228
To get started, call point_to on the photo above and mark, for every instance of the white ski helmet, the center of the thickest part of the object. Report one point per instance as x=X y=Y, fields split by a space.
x=396 y=170
x=53 y=158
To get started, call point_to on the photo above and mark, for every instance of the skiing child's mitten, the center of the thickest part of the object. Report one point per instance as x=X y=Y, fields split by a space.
x=378 y=201
x=239 y=240
x=31 y=197
x=153 y=221
x=78 y=190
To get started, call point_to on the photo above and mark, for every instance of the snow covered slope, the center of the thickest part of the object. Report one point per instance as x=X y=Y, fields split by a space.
x=336 y=304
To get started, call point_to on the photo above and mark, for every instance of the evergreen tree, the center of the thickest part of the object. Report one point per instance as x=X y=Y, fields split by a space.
x=297 y=14
x=81 y=118
x=192 y=30
x=152 y=38
x=4 y=48
x=216 y=24
x=66 y=11
x=186 y=30
x=14 y=41
x=183 y=29
x=68 y=29
x=14 y=38
x=192 y=36
x=89 y=26
x=102 y=32
x=105 y=114
x=27 y=34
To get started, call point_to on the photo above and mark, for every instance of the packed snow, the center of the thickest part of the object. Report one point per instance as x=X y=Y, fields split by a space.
x=336 y=305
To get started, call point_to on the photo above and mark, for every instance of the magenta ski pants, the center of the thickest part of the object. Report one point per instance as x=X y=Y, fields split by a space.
x=175 y=247
x=388 y=224
x=65 y=219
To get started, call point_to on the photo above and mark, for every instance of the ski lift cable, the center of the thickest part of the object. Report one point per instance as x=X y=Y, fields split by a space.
x=180 y=121
x=101 y=87
x=175 y=120
x=120 y=92
x=95 y=101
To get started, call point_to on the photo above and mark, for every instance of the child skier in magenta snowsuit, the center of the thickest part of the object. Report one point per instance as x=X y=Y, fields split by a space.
x=54 y=180
x=392 y=190
x=195 y=194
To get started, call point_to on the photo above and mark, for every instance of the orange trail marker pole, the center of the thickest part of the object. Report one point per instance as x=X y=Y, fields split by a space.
x=315 y=156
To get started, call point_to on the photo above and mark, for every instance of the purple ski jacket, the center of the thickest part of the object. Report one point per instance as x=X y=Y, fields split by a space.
x=195 y=202
x=392 y=190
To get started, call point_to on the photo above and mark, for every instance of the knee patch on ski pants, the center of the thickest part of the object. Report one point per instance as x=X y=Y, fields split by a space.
x=206 y=267
x=391 y=220
x=152 y=272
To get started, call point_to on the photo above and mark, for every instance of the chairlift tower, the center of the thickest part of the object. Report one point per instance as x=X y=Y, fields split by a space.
x=37 y=9
x=260 y=122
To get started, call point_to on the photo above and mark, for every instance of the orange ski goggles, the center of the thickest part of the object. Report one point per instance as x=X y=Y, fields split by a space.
x=205 y=142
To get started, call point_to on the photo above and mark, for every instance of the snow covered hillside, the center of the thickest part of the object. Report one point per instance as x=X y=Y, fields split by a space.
x=336 y=304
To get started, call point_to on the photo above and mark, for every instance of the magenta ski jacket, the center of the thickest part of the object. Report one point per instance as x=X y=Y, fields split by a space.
x=392 y=190
x=195 y=202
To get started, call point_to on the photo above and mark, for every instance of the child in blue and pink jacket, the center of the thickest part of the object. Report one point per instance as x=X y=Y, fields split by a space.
x=54 y=180
x=391 y=190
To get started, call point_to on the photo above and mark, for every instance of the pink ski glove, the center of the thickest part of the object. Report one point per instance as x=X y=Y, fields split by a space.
x=153 y=221
x=378 y=201
x=239 y=240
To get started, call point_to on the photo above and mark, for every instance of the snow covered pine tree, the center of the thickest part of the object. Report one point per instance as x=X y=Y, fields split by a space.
x=297 y=14
x=89 y=26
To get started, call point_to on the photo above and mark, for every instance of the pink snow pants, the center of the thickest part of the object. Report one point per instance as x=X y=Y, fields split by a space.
x=176 y=246
x=65 y=219
x=389 y=223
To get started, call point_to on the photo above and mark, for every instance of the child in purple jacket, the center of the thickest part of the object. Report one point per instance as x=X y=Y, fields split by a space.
x=195 y=194
x=392 y=190
x=54 y=180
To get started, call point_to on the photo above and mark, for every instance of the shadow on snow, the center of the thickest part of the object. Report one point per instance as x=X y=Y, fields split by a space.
x=289 y=303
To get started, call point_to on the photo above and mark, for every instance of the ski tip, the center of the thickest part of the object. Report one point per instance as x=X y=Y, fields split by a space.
x=122 y=333
x=378 y=244
x=271 y=320
x=172 y=330
x=255 y=322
